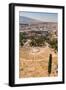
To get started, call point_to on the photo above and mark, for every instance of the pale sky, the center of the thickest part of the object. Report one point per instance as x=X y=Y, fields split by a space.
x=42 y=16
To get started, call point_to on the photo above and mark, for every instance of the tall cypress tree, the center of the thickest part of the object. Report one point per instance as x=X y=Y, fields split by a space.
x=50 y=64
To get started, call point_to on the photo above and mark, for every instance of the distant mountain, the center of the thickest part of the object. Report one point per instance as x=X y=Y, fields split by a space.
x=26 y=20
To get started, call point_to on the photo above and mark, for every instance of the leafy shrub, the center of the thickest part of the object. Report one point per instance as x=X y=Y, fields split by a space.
x=37 y=41
x=22 y=38
x=53 y=43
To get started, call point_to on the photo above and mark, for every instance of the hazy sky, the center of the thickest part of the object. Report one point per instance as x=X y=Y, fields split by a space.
x=42 y=16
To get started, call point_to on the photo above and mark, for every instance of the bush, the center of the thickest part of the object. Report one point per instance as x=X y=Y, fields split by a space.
x=37 y=41
x=53 y=43
x=22 y=38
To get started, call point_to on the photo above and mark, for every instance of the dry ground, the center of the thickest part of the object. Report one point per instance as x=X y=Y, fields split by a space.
x=36 y=64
